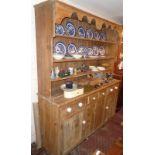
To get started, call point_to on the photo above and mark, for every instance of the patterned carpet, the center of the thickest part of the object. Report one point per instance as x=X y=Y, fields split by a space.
x=103 y=139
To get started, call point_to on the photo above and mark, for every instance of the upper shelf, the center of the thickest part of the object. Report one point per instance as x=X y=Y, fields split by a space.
x=84 y=39
x=83 y=59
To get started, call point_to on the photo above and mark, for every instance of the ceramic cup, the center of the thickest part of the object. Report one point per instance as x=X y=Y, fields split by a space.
x=71 y=69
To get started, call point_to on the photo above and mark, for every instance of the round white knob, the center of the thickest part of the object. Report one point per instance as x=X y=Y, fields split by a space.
x=103 y=94
x=69 y=109
x=84 y=122
x=80 y=104
x=116 y=87
x=106 y=107
x=94 y=98
x=111 y=90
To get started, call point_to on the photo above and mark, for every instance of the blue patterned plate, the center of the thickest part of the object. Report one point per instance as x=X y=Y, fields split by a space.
x=96 y=36
x=72 y=49
x=81 y=32
x=90 y=52
x=59 y=30
x=102 y=36
x=95 y=51
x=101 y=51
x=89 y=34
x=81 y=50
x=70 y=29
x=85 y=53
x=59 y=50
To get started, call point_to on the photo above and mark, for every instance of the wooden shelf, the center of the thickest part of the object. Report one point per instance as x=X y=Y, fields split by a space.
x=84 y=39
x=78 y=75
x=83 y=59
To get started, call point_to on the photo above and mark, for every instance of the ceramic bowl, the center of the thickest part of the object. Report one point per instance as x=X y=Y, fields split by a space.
x=58 y=56
x=77 y=56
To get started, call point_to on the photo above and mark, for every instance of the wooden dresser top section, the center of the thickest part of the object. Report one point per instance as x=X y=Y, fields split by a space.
x=63 y=10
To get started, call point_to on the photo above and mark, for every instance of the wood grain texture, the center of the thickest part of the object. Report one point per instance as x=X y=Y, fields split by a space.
x=61 y=131
x=43 y=16
x=64 y=10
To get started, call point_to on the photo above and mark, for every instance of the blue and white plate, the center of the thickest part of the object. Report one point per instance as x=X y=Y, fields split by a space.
x=97 y=35
x=59 y=30
x=70 y=29
x=89 y=34
x=59 y=51
x=90 y=52
x=81 y=32
x=102 y=36
x=81 y=50
x=71 y=49
x=85 y=53
x=101 y=50
x=95 y=51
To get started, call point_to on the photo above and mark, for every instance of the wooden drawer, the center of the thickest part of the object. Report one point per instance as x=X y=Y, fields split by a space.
x=93 y=98
x=72 y=107
x=113 y=88
x=102 y=93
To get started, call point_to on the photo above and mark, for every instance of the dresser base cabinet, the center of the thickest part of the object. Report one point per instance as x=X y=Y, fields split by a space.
x=65 y=125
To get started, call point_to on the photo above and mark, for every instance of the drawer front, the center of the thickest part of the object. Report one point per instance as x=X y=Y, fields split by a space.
x=93 y=98
x=72 y=107
x=102 y=93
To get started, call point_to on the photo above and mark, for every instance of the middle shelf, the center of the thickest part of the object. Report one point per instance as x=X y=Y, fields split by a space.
x=79 y=75
x=82 y=59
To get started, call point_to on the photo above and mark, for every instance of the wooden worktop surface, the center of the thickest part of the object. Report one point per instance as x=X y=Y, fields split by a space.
x=60 y=100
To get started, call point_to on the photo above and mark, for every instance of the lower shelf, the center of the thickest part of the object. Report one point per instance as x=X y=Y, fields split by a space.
x=79 y=75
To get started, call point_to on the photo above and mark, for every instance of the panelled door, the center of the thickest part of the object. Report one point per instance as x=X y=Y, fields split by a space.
x=110 y=102
x=100 y=110
x=72 y=129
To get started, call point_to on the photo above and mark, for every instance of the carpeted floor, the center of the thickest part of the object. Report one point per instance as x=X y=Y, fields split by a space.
x=103 y=139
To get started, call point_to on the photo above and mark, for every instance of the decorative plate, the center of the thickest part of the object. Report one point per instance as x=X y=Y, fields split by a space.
x=81 y=32
x=90 y=52
x=59 y=51
x=101 y=51
x=89 y=34
x=95 y=51
x=97 y=35
x=72 y=49
x=60 y=48
x=85 y=53
x=70 y=29
x=59 y=30
x=102 y=36
x=81 y=50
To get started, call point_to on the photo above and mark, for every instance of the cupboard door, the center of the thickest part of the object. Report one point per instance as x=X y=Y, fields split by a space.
x=72 y=129
x=116 y=90
x=109 y=103
x=90 y=113
x=99 y=110
x=89 y=117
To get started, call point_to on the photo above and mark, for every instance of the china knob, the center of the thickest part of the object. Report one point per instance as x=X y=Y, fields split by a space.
x=116 y=87
x=111 y=90
x=103 y=94
x=84 y=122
x=94 y=98
x=107 y=107
x=69 y=109
x=80 y=104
